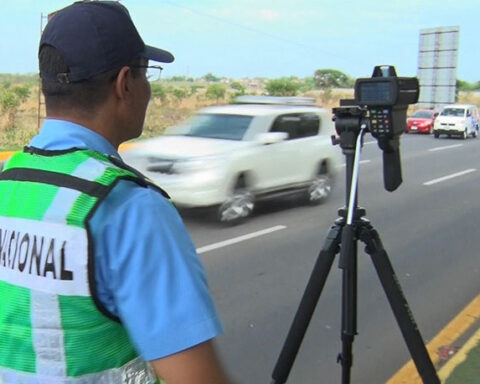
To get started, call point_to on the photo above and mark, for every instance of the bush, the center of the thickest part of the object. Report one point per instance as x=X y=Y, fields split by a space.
x=158 y=92
x=9 y=103
x=215 y=92
x=282 y=87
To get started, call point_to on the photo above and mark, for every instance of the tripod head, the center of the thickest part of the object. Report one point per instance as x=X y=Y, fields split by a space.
x=380 y=106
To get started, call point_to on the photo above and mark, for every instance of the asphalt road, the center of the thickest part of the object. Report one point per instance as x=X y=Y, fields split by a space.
x=429 y=226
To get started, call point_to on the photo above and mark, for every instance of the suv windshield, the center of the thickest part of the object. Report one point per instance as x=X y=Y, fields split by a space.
x=423 y=114
x=219 y=126
x=458 y=112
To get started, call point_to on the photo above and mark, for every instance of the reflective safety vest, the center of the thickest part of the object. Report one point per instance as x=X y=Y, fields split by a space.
x=53 y=328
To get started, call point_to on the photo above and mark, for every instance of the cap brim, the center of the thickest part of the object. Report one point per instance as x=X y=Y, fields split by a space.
x=157 y=54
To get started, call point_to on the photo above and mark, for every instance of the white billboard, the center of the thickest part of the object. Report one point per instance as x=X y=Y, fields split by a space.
x=437 y=66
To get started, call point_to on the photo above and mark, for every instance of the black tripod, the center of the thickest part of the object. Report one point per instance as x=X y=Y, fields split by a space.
x=342 y=237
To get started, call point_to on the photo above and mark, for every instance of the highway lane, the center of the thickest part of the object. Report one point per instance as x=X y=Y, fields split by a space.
x=430 y=232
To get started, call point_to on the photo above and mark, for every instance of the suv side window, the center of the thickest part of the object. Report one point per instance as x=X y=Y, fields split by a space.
x=287 y=124
x=297 y=125
x=309 y=125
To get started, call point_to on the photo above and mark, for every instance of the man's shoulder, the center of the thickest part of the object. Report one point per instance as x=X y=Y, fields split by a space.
x=130 y=192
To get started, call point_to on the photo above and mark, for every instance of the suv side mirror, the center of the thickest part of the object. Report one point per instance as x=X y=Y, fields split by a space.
x=272 y=137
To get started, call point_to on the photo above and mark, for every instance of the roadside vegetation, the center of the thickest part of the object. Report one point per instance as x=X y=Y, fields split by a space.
x=174 y=99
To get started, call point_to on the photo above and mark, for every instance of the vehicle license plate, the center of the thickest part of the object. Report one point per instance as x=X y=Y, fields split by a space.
x=414 y=127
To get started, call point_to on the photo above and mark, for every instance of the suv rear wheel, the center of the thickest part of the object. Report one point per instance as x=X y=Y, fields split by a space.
x=238 y=206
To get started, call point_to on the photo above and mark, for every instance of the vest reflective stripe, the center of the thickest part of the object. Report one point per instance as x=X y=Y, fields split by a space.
x=48 y=335
x=56 y=276
x=134 y=372
x=90 y=169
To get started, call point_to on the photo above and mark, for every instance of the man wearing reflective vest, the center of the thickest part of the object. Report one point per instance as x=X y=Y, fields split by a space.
x=99 y=281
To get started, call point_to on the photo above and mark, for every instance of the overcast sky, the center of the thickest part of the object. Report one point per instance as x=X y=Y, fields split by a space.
x=268 y=38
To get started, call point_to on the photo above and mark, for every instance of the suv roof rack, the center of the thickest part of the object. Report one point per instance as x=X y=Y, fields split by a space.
x=279 y=100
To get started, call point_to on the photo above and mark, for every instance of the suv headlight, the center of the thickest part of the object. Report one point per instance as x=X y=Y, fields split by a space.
x=198 y=164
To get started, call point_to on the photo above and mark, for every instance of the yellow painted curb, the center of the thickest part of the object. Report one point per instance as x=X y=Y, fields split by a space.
x=5 y=155
x=126 y=146
x=459 y=357
x=462 y=322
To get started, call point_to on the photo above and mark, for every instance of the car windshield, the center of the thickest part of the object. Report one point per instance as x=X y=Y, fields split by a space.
x=219 y=126
x=423 y=114
x=458 y=112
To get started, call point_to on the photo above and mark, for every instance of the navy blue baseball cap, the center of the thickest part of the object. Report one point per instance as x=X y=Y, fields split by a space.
x=94 y=37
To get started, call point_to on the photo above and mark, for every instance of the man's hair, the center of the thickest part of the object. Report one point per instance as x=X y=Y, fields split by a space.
x=82 y=96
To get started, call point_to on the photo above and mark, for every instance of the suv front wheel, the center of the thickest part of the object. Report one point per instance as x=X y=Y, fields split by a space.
x=238 y=206
x=320 y=189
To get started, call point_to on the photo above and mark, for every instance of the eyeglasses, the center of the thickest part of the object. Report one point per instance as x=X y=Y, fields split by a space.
x=152 y=72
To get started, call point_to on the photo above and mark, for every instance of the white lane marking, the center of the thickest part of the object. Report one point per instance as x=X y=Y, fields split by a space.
x=369 y=142
x=239 y=239
x=361 y=162
x=439 y=180
x=445 y=147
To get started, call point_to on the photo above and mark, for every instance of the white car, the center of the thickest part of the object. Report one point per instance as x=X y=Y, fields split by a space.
x=457 y=120
x=228 y=157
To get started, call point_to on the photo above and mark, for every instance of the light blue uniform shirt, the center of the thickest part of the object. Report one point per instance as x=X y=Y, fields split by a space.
x=146 y=267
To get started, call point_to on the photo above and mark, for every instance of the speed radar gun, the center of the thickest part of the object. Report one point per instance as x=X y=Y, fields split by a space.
x=379 y=107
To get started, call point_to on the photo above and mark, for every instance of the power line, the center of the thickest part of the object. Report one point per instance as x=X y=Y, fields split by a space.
x=257 y=31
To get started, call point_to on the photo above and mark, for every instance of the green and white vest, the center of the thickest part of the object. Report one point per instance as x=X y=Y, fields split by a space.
x=53 y=329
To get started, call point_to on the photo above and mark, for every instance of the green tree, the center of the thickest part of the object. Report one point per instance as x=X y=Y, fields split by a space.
x=178 y=78
x=211 y=78
x=332 y=78
x=307 y=84
x=194 y=89
x=215 y=92
x=465 y=86
x=326 y=95
x=282 y=87
x=238 y=87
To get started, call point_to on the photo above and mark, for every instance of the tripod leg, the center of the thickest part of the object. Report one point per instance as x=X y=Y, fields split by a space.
x=307 y=304
x=348 y=263
x=399 y=305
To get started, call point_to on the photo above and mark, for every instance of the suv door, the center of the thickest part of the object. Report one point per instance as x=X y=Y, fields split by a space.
x=292 y=160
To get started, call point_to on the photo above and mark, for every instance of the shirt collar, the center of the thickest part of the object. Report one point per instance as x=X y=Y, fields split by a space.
x=61 y=135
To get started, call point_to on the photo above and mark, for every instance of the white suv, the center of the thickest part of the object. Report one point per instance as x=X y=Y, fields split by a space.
x=458 y=120
x=231 y=156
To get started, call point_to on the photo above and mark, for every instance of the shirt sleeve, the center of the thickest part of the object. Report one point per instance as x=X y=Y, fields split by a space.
x=149 y=274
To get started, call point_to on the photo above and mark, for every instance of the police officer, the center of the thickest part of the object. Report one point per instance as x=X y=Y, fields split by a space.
x=99 y=280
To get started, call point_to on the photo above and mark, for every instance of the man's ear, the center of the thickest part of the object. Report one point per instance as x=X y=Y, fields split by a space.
x=122 y=83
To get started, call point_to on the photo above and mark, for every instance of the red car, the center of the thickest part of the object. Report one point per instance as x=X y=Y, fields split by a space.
x=422 y=121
